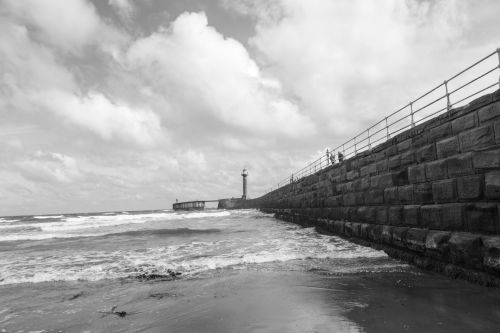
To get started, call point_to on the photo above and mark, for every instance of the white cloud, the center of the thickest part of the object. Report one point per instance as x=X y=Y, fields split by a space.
x=111 y=121
x=125 y=8
x=50 y=167
x=202 y=73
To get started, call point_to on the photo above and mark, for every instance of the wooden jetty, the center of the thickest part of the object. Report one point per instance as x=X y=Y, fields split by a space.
x=191 y=205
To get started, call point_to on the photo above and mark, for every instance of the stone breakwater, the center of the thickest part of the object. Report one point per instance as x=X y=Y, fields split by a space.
x=429 y=195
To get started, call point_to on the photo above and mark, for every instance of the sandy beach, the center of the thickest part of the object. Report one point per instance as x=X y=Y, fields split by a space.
x=255 y=301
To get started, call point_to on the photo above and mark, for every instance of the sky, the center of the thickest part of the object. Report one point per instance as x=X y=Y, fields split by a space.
x=129 y=105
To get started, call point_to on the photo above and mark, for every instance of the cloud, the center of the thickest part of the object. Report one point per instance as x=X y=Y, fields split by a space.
x=202 y=74
x=125 y=8
x=111 y=121
x=50 y=167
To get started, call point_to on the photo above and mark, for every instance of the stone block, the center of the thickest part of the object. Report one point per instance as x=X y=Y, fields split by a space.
x=415 y=239
x=399 y=236
x=381 y=166
x=447 y=147
x=348 y=229
x=436 y=244
x=496 y=129
x=411 y=215
x=470 y=187
x=371 y=214
x=407 y=158
x=419 y=140
x=422 y=193
x=405 y=193
x=489 y=113
x=476 y=138
x=426 y=153
x=459 y=165
x=404 y=145
x=464 y=123
x=349 y=199
x=483 y=217
x=491 y=252
x=381 y=215
x=395 y=215
x=394 y=162
x=488 y=159
x=361 y=213
x=431 y=216
x=375 y=233
x=356 y=185
x=387 y=234
x=382 y=181
x=453 y=216
x=356 y=229
x=365 y=183
x=440 y=132
x=416 y=173
x=492 y=185
x=436 y=170
x=363 y=229
x=465 y=248
x=368 y=170
x=444 y=191
x=374 y=197
x=353 y=174
x=391 y=195
x=338 y=227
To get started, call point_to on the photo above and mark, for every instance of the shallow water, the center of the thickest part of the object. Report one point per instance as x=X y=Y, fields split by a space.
x=242 y=271
x=114 y=245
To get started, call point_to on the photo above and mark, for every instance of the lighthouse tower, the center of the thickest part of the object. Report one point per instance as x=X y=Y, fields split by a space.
x=244 y=174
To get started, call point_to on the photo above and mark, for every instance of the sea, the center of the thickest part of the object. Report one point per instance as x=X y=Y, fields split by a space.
x=111 y=245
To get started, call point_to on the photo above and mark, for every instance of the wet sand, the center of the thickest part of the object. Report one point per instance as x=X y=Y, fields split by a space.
x=256 y=301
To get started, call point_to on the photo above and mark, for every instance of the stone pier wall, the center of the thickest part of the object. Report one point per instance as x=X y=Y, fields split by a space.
x=429 y=195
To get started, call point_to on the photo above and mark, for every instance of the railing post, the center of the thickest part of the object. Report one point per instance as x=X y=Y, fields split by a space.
x=498 y=53
x=355 y=149
x=448 y=103
x=343 y=150
x=411 y=112
x=369 y=142
x=387 y=128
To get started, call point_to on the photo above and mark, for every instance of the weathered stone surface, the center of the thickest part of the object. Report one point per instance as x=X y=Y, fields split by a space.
x=460 y=165
x=492 y=185
x=444 y=191
x=375 y=233
x=407 y=158
x=348 y=229
x=356 y=229
x=489 y=113
x=383 y=181
x=496 y=129
x=399 y=236
x=411 y=214
x=453 y=216
x=365 y=183
x=371 y=214
x=465 y=248
x=416 y=173
x=338 y=227
x=426 y=153
x=470 y=187
x=440 y=132
x=437 y=241
x=381 y=215
x=387 y=234
x=374 y=197
x=483 y=217
x=464 y=123
x=361 y=213
x=395 y=215
x=488 y=159
x=353 y=174
x=381 y=166
x=415 y=239
x=447 y=147
x=436 y=170
x=364 y=230
x=391 y=195
x=476 y=138
x=394 y=162
x=431 y=216
x=405 y=193
x=491 y=252
x=404 y=145
x=368 y=170
x=422 y=193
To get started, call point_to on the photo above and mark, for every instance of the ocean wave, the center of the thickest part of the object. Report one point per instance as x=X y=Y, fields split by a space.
x=161 y=232
x=42 y=217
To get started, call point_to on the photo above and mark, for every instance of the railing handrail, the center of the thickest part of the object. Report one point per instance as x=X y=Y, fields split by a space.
x=358 y=142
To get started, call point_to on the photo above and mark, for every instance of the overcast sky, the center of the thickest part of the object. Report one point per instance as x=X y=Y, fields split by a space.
x=125 y=105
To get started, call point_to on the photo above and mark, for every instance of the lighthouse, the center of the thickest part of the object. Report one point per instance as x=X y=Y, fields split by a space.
x=244 y=174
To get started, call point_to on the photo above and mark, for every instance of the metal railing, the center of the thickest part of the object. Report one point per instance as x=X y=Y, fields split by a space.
x=480 y=77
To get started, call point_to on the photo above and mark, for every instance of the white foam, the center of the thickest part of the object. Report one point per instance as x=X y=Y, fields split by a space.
x=47 y=217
